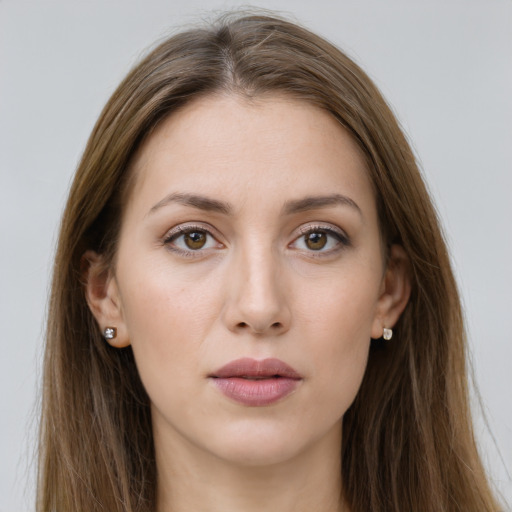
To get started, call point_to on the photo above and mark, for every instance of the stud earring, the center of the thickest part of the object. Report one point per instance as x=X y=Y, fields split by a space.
x=387 y=334
x=109 y=333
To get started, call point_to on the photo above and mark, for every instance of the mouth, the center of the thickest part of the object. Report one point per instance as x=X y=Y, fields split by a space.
x=256 y=383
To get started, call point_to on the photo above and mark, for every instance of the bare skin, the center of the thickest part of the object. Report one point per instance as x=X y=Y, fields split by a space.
x=251 y=231
x=305 y=483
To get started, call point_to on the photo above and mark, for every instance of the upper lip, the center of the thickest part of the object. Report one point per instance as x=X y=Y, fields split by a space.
x=247 y=367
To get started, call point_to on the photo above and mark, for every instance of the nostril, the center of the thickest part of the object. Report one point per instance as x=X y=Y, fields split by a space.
x=245 y=325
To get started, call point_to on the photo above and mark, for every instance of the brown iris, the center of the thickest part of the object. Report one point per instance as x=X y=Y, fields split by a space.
x=316 y=241
x=195 y=239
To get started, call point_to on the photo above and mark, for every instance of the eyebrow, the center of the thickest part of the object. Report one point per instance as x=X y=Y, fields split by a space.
x=290 y=207
x=195 y=201
x=316 y=202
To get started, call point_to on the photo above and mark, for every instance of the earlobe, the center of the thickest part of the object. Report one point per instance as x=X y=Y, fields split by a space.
x=103 y=299
x=396 y=290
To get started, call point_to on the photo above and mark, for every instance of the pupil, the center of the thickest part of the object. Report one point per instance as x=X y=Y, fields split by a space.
x=316 y=241
x=195 y=240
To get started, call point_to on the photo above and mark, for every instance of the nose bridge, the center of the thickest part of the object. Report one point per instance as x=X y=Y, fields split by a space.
x=257 y=302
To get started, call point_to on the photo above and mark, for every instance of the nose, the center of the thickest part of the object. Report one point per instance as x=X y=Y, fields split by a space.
x=257 y=300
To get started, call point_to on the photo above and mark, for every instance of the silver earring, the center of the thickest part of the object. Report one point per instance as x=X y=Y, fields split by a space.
x=109 y=333
x=387 y=334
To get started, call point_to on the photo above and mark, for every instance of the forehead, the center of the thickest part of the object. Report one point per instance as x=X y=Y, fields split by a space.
x=229 y=145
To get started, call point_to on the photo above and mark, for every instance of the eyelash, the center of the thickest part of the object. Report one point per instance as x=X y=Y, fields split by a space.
x=180 y=231
x=342 y=239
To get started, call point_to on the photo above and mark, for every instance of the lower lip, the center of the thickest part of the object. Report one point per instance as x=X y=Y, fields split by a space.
x=256 y=392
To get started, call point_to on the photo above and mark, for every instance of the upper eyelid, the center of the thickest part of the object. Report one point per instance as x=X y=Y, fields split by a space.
x=322 y=226
x=187 y=227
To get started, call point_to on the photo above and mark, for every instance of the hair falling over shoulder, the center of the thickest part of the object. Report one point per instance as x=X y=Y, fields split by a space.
x=408 y=443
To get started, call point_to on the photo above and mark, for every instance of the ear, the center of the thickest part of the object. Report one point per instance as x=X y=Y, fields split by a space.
x=103 y=297
x=395 y=291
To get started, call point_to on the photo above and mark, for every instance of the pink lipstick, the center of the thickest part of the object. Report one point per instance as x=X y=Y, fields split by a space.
x=256 y=383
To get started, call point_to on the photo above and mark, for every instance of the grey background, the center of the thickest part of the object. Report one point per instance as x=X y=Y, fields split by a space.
x=445 y=67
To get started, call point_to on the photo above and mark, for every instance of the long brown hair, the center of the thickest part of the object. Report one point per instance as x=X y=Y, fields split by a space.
x=407 y=439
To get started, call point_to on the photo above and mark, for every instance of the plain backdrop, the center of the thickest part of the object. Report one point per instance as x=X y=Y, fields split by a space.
x=446 y=68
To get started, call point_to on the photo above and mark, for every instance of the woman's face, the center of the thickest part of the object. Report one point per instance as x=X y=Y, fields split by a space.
x=249 y=277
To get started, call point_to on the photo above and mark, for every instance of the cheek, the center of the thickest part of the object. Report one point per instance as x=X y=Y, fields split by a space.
x=342 y=369
x=340 y=305
x=338 y=322
x=167 y=322
x=167 y=317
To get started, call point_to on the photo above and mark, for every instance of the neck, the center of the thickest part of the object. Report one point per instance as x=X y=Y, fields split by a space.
x=190 y=480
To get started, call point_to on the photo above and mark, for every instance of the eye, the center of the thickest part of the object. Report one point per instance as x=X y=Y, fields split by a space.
x=188 y=239
x=320 y=239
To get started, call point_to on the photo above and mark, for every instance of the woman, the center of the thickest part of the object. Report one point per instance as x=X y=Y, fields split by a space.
x=246 y=217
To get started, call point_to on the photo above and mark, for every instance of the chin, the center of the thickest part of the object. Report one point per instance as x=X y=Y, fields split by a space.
x=261 y=445
x=259 y=455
